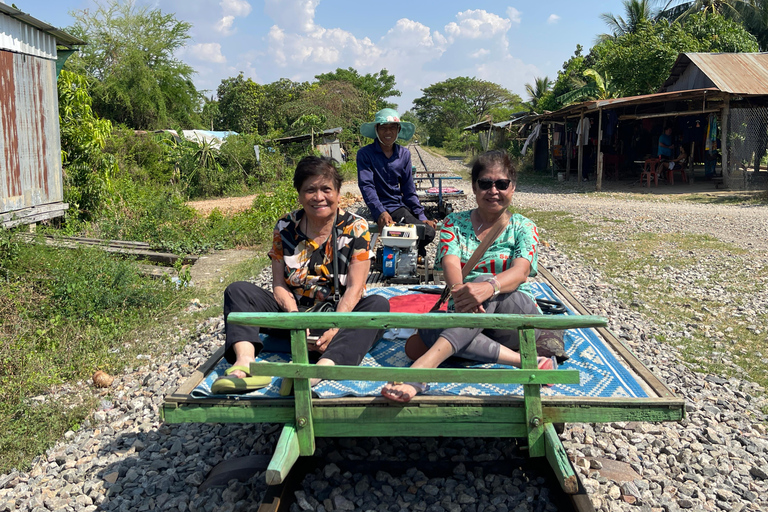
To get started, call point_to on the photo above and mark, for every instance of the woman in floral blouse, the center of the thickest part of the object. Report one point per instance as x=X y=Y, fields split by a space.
x=302 y=275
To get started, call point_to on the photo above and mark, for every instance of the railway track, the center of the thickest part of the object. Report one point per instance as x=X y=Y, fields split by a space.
x=520 y=467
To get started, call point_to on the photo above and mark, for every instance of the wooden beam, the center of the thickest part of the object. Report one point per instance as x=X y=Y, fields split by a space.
x=534 y=417
x=599 y=180
x=559 y=461
x=302 y=392
x=285 y=456
x=579 y=139
x=304 y=371
x=627 y=117
x=409 y=320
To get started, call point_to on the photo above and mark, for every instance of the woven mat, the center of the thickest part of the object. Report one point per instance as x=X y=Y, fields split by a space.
x=601 y=374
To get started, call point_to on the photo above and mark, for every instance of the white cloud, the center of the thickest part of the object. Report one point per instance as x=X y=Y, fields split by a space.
x=208 y=52
x=514 y=15
x=477 y=24
x=292 y=15
x=224 y=25
x=235 y=7
x=553 y=18
x=326 y=48
x=482 y=52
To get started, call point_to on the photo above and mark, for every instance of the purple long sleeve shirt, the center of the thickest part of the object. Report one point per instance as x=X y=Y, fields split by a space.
x=387 y=183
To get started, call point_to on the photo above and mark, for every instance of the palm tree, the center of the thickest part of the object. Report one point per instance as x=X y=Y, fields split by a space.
x=598 y=87
x=540 y=87
x=636 y=12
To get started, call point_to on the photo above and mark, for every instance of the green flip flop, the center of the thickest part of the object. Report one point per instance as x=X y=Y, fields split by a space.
x=234 y=385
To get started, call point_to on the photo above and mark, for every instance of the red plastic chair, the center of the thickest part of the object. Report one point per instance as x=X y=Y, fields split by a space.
x=650 y=171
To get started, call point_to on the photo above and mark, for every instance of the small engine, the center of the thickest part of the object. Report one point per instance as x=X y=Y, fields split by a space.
x=399 y=254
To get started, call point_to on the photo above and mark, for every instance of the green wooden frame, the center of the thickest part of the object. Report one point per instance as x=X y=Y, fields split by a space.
x=528 y=416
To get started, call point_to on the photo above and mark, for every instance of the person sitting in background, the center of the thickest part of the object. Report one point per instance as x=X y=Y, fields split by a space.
x=677 y=163
x=498 y=283
x=302 y=266
x=665 y=145
x=385 y=176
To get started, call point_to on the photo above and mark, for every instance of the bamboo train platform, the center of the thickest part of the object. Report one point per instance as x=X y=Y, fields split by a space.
x=602 y=382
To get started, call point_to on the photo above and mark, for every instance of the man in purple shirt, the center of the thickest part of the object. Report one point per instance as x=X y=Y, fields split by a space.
x=385 y=178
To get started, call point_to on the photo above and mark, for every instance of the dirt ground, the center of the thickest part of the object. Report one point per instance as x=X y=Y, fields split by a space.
x=232 y=205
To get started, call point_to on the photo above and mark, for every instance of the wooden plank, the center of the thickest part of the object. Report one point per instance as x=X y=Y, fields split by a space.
x=558 y=459
x=408 y=320
x=141 y=253
x=199 y=374
x=634 y=363
x=610 y=414
x=285 y=456
x=228 y=414
x=473 y=375
x=302 y=392
x=532 y=394
x=421 y=430
x=408 y=414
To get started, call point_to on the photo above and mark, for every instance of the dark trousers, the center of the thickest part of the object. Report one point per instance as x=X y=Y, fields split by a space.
x=403 y=214
x=348 y=347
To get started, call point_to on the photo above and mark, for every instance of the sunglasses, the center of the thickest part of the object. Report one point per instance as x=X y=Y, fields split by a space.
x=499 y=184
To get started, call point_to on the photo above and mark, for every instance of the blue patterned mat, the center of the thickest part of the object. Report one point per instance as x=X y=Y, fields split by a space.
x=602 y=374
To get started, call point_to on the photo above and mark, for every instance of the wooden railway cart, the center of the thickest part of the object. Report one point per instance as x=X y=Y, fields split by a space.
x=530 y=415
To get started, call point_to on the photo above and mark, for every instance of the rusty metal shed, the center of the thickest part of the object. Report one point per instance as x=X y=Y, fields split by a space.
x=31 y=182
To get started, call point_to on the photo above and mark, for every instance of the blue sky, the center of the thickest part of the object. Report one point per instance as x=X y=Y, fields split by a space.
x=421 y=42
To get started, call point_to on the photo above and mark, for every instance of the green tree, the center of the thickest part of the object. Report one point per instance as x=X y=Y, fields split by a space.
x=87 y=169
x=598 y=87
x=277 y=94
x=379 y=86
x=239 y=104
x=339 y=103
x=636 y=12
x=641 y=61
x=457 y=102
x=134 y=76
x=537 y=90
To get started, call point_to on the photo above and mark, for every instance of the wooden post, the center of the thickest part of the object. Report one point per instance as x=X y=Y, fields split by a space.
x=726 y=164
x=568 y=149
x=599 y=180
x=305 y=430
x=579 y=140
x=690 y=163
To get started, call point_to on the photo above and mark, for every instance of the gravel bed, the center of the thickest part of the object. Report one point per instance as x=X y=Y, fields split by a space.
x=124 y=458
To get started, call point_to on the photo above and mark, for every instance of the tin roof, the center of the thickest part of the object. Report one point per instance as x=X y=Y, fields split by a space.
x=629 y=101
x=62 y=37
x=736 y=73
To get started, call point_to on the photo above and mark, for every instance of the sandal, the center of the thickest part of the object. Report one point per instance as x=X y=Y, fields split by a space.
x=420 y=387
x=235 y=385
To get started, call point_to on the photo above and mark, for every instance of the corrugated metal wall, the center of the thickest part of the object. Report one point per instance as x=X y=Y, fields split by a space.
x=30 y=148
x=22 y=38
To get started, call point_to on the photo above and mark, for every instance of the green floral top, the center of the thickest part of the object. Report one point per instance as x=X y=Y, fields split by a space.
x=520 y=239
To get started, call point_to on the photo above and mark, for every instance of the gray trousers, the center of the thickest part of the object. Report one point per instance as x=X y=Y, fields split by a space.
x=483 y=345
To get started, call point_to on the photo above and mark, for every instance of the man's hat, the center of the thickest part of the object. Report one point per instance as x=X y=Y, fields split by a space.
x=387 y=115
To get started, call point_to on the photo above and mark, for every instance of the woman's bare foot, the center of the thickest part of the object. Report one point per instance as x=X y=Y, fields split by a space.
x=245 y=362
x=402 y=392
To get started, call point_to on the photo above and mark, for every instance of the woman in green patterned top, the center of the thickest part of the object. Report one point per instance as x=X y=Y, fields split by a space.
x=497 y=284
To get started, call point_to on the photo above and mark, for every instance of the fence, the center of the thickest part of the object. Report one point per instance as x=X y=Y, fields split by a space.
x=747 y=140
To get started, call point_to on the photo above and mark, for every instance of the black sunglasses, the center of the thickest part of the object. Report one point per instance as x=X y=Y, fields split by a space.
x=499 y=184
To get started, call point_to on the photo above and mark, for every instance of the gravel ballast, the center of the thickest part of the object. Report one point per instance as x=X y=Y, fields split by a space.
x=716 y=459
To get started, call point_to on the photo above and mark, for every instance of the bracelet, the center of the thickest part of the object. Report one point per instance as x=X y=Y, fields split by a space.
x=496 y=286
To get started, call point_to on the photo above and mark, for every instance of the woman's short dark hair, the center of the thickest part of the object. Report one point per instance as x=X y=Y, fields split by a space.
x=311 y=166
x=490 y=160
